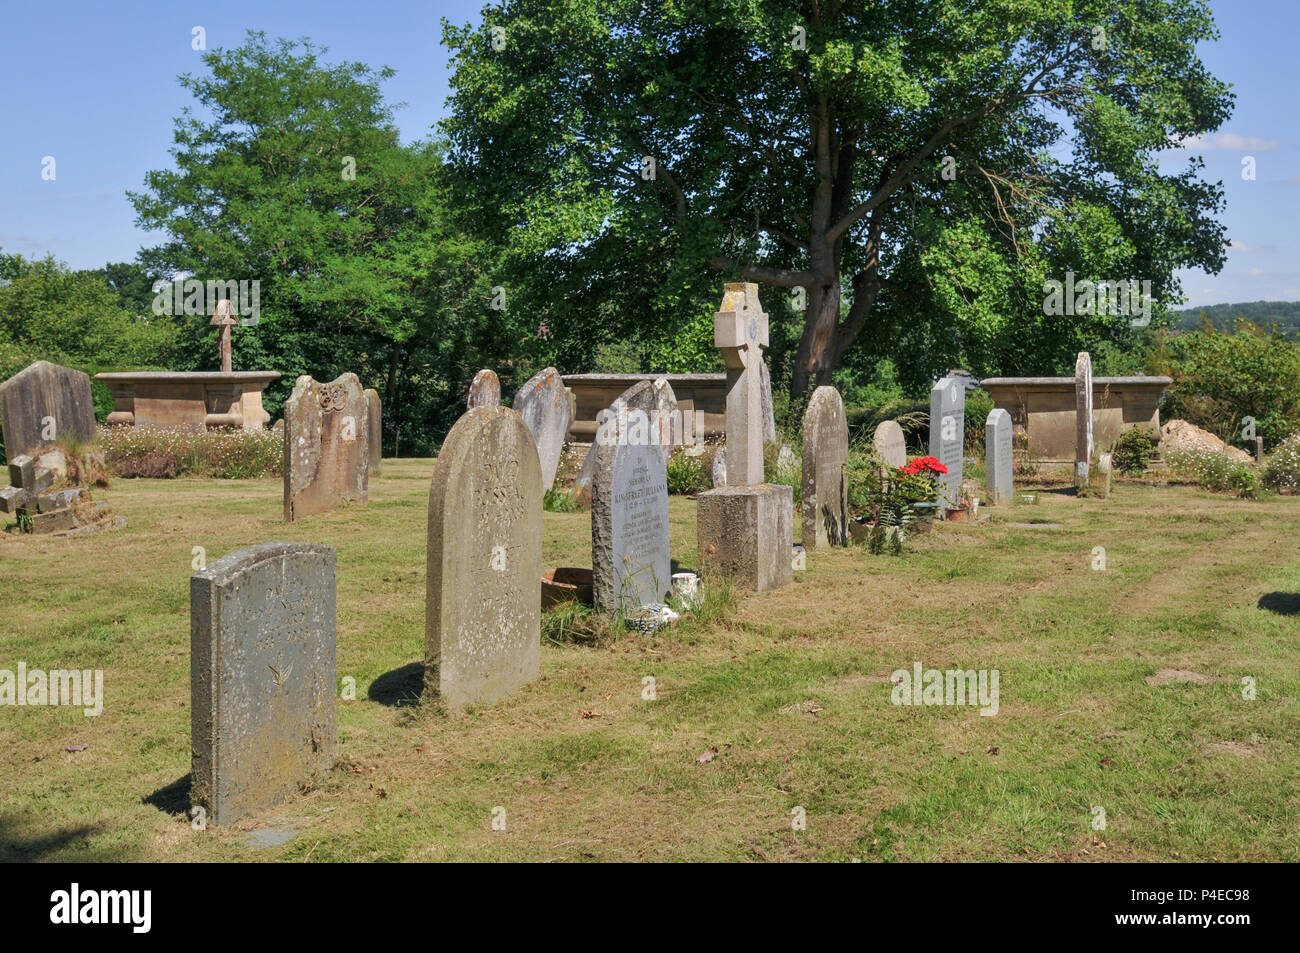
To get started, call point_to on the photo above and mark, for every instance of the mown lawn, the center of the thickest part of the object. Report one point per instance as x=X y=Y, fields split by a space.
x=1119 y=689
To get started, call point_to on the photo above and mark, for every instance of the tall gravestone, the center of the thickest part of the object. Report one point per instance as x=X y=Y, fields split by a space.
x=375 y=427
x=769 y=411
x=630 y=560
x=326 y=446
x=745 y=529
x=890 y=443
x=824 y=492
x=484 y=390
x=483 y=606
x=43 y=403
x=262 y=676
x=997 y=457
x=947 y=433
x=543 y=402
x=667 y=419
x=1083 y=445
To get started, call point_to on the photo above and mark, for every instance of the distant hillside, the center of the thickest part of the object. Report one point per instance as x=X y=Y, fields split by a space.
x=1285 y=314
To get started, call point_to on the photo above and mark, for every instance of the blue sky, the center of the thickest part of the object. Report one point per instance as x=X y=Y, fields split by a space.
x=95 y=87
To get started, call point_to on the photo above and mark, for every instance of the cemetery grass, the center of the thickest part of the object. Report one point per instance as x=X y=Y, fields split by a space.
x=1119 y=689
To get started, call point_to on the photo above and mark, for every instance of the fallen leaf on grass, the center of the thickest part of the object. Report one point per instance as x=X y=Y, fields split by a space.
x=708 y=756
x=588 y=714
x=992 y=749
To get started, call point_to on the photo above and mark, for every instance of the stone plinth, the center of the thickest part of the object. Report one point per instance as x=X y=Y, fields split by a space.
x=745 y=533
x=190 y=400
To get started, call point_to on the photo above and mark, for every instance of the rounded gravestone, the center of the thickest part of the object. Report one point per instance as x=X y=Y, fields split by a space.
x=824 y=496
x=543 y=402
x=890 y=444
x=483 y=597
x=326 y=446
x=484 y=390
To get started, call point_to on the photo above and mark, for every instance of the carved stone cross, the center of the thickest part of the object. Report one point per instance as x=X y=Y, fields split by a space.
x=740 y=332
x=224 y=317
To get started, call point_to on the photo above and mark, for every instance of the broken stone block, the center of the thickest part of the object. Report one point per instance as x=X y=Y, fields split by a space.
x=42 y=480
x=22 y=470
x=11 y=498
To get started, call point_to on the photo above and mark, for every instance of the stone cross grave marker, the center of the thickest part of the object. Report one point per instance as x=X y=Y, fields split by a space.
x=326 y=446
x=43 y=403
x=631 y=565
x=947 y=433
x=997 y=457
x=223 y=316
x=262 y=676
x=824 y=496
x=1083 y=445
x=483 y=606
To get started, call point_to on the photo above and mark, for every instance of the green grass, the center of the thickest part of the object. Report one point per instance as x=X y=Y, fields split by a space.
x=791 y=687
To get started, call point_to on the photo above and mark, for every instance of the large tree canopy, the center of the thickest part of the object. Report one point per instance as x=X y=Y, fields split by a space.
x=911 y=170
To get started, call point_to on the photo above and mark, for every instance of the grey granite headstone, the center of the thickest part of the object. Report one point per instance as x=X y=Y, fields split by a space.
x=997 y=457
x=375 y=428
x=947 y=433
x=43 y=403
x=326 y=446
x=262 y=676
x=1083 y=444
x=483 y=607
x=824 y=497
x=484 y=390
x=890 y=443
x=543 y=402
x=630 y=560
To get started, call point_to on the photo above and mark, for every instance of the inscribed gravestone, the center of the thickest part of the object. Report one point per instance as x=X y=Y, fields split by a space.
x=890 y=444
x=483 y=604
x=630 y=561
x=262 y=676
x=1083 y=417
x=326 y=446
x=543 y=402
x=484 y=390
x=824 y=498
x=997 y=457
x=947 y=432
x=374 y=426
x=43 y=403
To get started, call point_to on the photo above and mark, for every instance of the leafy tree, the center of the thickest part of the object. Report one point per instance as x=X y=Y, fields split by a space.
x=909 y=172
x=291 y=173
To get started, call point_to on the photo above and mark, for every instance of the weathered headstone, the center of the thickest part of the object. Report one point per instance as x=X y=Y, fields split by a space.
x=997 y=458
x=484 y=390
x=824 y=497
x=769 y=413
x=1083 y=417
x=890 y=443
x=947 y=433
x=375 y=428
x=326 y=446
x=667 y=420
x=483 y=606
x=43 y=403
x=630 y=561
x=745 y=529
x=543 y=402
x=262 y=676
x=1100 y=479
x=718 y=472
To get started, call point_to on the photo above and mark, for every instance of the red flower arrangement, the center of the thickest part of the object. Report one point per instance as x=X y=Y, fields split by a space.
x=924 y=465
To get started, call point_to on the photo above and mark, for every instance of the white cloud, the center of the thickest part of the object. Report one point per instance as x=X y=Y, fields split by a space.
x=1255 y=272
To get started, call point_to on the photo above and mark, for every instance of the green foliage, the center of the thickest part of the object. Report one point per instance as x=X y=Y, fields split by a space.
x=1221 y=377
x=978 y=406
x=1133 y=451
x=1282 y=468
x=556 y=500
x=687 y=474
x=791 y=476
x=1223 y=317
x=1215 y=471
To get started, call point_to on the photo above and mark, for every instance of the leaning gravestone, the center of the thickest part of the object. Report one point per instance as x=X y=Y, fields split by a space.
x=825 y=500
x=326 y=446
x=890 y=444
x=667 y=418
x=997 y=457
x=43 y=403
x=1082 y=417
x=947 y=432
x=543 y=402
x=630 y=561
x=483 y=608
x=484 y=390
x=262 y=676
x=375 y=427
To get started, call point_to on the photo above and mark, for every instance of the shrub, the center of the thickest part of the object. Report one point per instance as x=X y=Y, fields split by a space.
x=1282 y=470
x=1133 y=451
x=1215 y=471
x=223 y=454
x=555 y=500
x=687 y=474
x=978 y=406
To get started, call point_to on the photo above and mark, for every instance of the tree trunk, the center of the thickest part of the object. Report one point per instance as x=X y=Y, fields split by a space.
x=819 y=349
